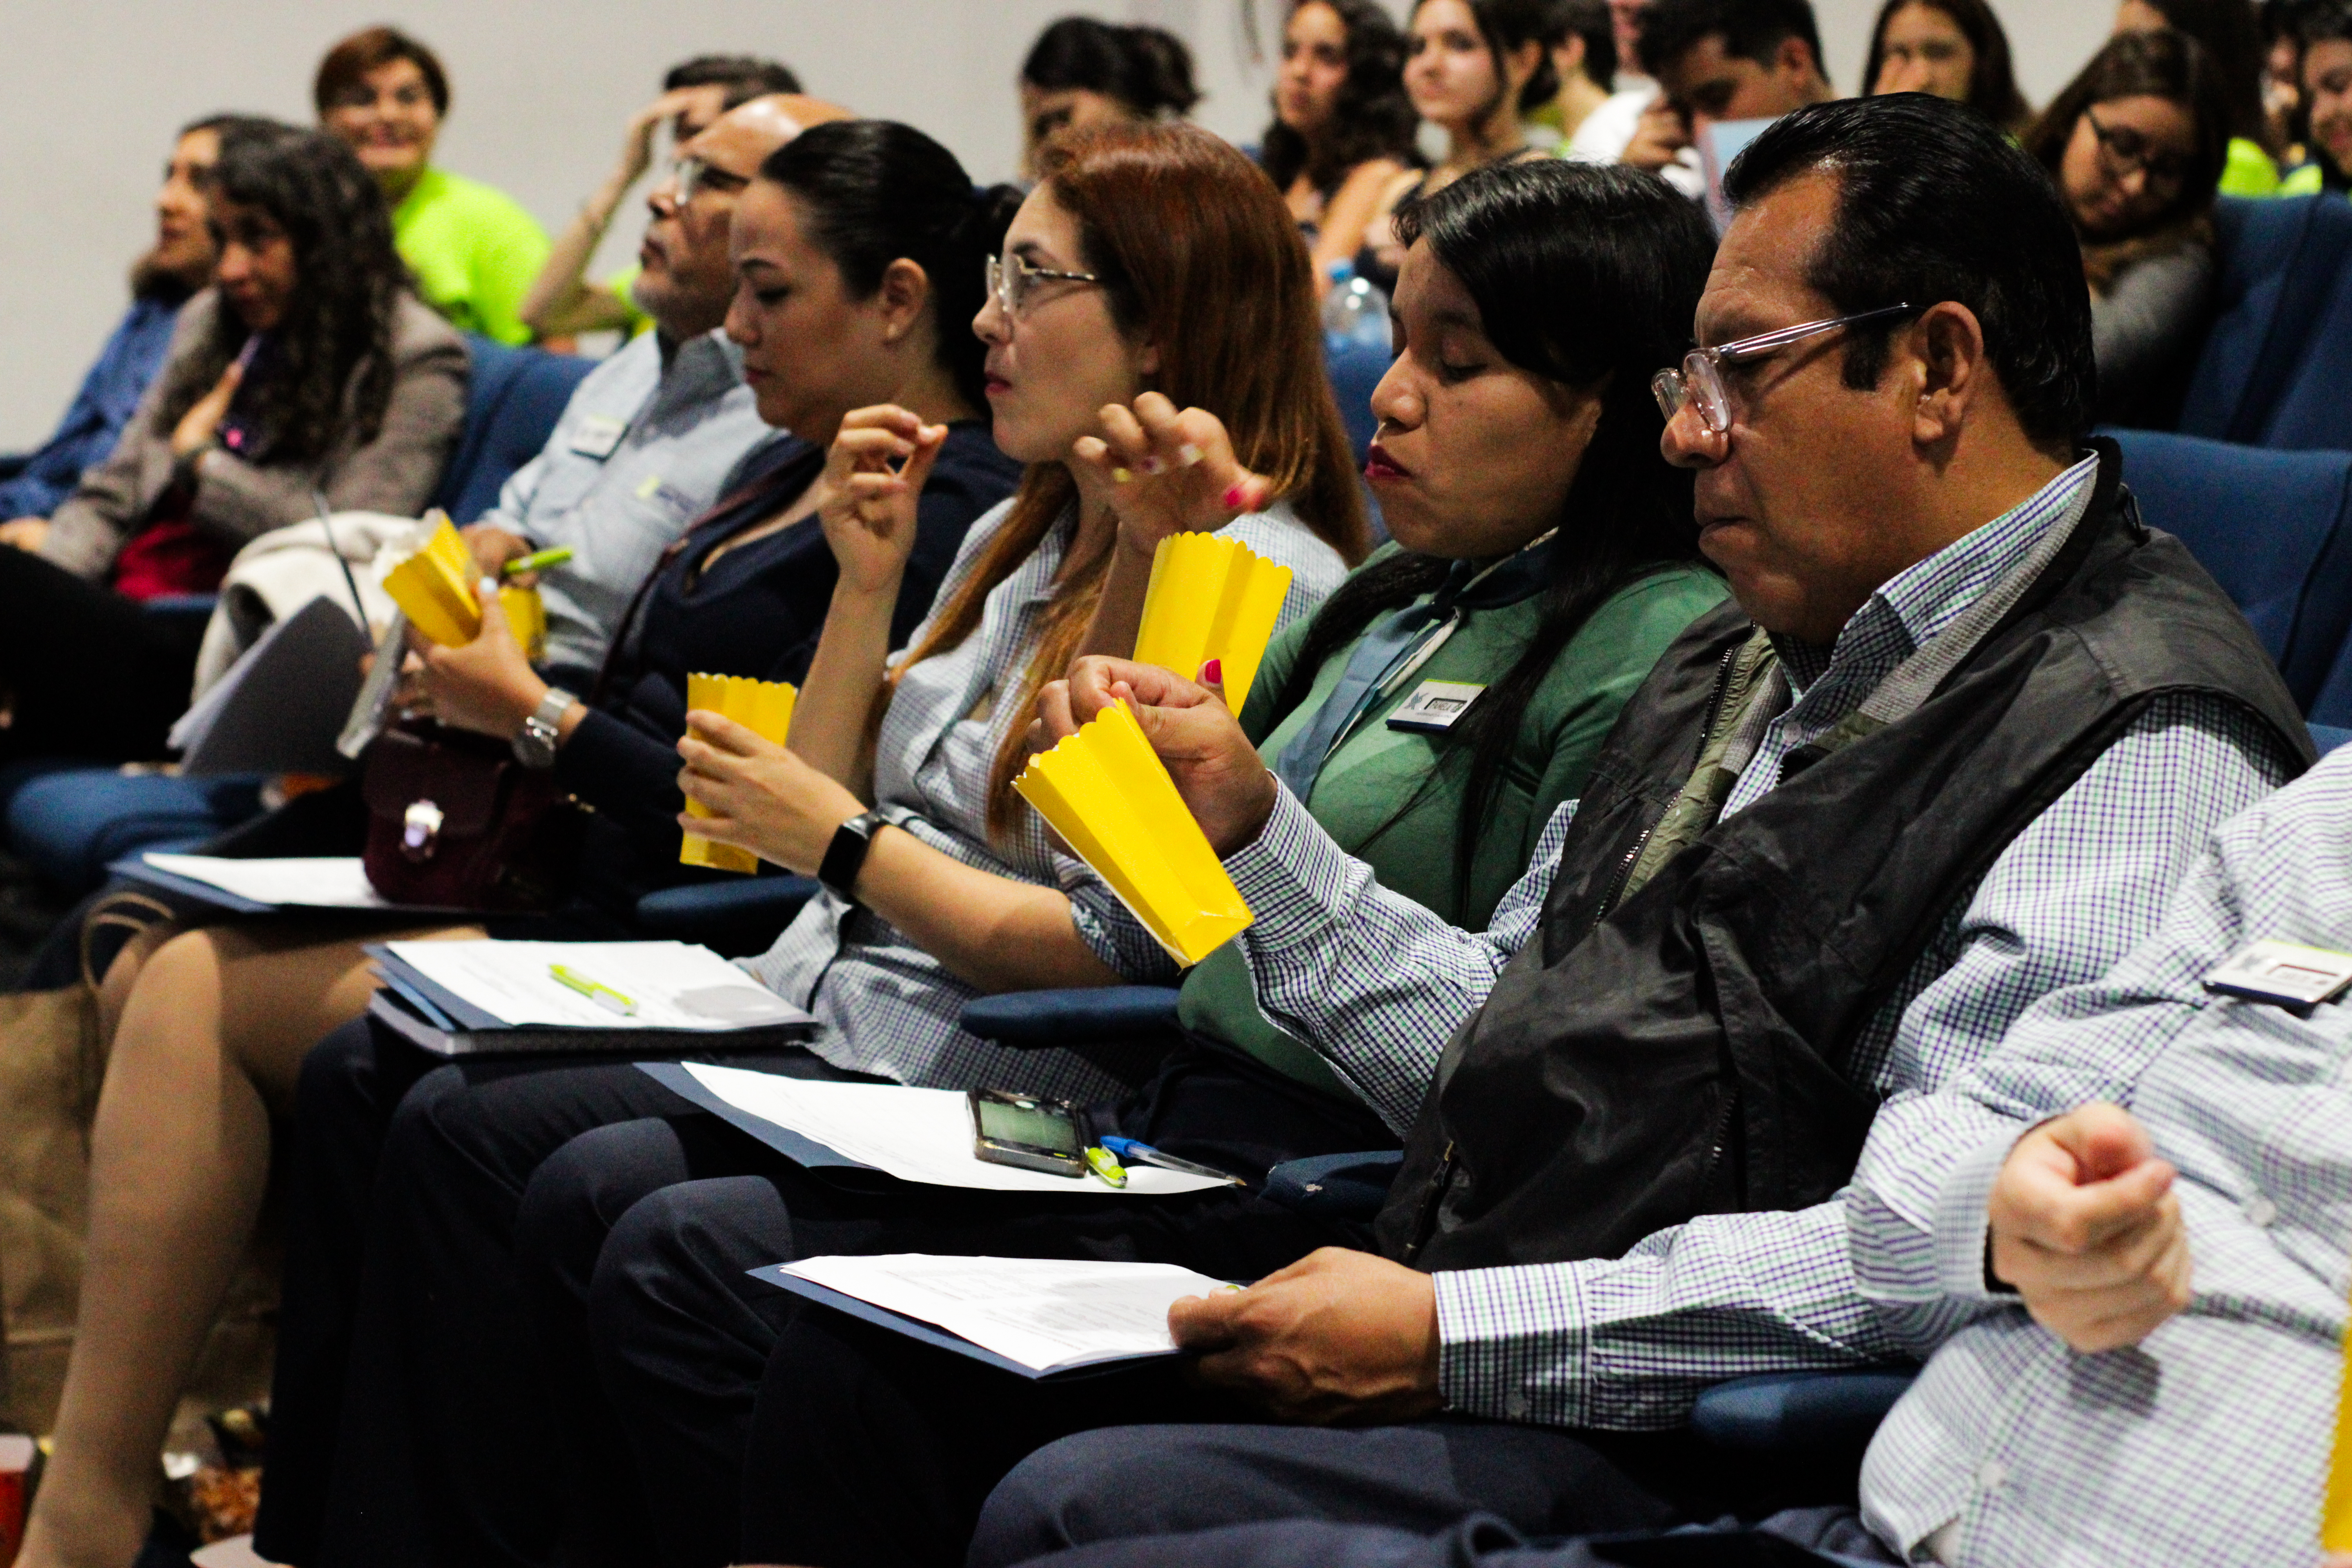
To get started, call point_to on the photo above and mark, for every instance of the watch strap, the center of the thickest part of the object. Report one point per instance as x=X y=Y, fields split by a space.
x=534 y=744
x=846 y=856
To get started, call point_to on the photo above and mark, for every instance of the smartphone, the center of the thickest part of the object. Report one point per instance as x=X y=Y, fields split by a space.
x=1027 y=1130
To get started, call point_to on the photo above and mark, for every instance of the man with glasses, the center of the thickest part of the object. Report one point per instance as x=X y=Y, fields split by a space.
x=649 y=438
x=1964 y=728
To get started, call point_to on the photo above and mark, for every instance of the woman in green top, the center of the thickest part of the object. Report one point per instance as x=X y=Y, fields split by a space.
x=473 y=249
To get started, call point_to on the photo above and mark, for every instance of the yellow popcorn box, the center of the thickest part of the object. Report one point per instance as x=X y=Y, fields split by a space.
x=434 y=586
x=1210 y=598
x=763 y=706
x=1110 y=797
x=2336 y=1516
x=527 y=615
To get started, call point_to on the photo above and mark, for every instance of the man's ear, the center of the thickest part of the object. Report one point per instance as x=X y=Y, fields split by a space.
x=1519 y=67
x=1949 y=369
x=905 y=289
x=1795 y=58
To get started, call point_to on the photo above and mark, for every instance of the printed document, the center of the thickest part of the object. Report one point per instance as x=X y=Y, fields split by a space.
x=672 y=984
x=314 y=882
x=1047 y=1314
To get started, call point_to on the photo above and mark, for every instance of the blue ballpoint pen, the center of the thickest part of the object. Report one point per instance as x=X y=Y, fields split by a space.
x=1135 y=1151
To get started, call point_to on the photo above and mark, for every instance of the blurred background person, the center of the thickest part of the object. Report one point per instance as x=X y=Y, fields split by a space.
x=2280 y=23
x=2324 y=69
x=179 y=263
x=1719 y=60
x=307 y=371
x=561 y=300
x=1343 y=127
x=2137 y=143
x=1595 y=121
x=1952 y=49
x=1082 y=72
x=2233 y=40
x=473 y=249
x=1472 y=67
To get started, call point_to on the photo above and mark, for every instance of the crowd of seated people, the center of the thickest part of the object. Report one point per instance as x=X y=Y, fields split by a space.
x=1793 y=960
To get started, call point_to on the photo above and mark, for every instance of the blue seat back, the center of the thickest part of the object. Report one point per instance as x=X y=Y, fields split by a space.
x=512 y=402
x=2272 y=529
x=2262 y=376
x=1355 y=369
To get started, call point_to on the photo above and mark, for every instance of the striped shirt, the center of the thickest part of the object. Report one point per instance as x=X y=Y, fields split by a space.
x=1378 y=985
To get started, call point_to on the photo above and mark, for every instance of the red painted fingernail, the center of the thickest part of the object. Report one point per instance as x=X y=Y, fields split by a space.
x=1214 y=672
x=1235 y=493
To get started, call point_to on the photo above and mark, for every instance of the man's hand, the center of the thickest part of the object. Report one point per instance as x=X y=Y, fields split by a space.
x=1339 y=1337
x=25 y=533
x=493 y=547
x=1658 y=136
x=699 y=105
x=1217 y=771
x=2087 y=1227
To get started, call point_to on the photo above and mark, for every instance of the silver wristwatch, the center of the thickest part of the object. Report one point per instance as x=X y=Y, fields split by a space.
x=534 y=744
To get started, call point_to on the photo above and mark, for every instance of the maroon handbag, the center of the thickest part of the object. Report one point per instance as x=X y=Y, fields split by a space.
x=456 y=822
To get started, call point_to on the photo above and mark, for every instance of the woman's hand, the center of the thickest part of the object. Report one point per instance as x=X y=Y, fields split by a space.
x=25 y=533
x=487 y=686
x=873 y=477
x=1219 y=773
x=201 y=422
x=1170 y=472
x=761 y=796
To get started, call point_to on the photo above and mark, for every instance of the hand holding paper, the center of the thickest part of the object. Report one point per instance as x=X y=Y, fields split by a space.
x=1219 y=775
x=1210 y=599
x=1339 y=1336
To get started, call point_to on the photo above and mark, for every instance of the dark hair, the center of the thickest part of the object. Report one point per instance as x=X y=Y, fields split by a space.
x=876 y=190
x=1145 y=67
x=1992 y=80
x=224 y=124
x=1750 y=30
x=745 y=77
x=1505 y=26
x=1586 y=274
x=331 y=355
x=2233 y=41
x=1934 y=203
x=1372 y=119
x=1588 y=20
x=2329 y=22
x=2168 y=65
x=371 y=50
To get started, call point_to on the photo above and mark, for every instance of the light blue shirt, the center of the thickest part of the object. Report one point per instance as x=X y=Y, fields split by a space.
x=642 y=449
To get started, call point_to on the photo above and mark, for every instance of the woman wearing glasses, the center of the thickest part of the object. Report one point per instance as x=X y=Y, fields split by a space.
x=2136 y=144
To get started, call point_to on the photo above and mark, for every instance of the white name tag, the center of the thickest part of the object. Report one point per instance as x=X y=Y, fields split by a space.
x=2298 y=978
x=1434 y=706
x=597 y=434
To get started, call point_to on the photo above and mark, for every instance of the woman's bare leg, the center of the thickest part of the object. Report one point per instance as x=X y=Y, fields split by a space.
x=211 y=1036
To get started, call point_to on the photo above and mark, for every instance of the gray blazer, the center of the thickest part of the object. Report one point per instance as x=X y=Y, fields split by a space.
x=237 y=502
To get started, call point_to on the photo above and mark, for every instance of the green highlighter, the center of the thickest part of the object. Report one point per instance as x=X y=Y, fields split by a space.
x=1104 y=1164
x=539 y=561
x=596 y=991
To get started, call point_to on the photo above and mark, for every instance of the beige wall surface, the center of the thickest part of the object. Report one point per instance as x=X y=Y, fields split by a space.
x=91 y=90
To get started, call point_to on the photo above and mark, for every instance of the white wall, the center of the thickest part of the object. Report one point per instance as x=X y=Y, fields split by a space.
x=90 y=91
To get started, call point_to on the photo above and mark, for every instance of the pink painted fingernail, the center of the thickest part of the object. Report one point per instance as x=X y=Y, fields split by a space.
x=1214 y=672
x=1236 y=494
x=1152 y=465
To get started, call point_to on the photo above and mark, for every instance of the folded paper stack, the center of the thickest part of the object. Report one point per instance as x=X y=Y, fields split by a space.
x=1106 y=793
x=1210 y=598
x=763 y=706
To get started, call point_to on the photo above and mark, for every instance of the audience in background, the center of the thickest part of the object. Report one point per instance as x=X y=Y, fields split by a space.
x=1343 y=127
x=561 y=300
x=648 y=439
x=472 y=249
x=2137 y=143
x=306 y=377
x=2280 y=23
x=2326 y=67
x=1595 y=121
x=1724 y=59
x=1081 y=72
x=178 y=264
x=2232 y=41
x=1953 y=48
x=210 y=1026
x=1473 y=68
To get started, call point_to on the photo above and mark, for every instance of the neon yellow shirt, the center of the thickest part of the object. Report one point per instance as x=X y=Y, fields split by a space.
x=2306 y=181
x=2250 y=171
x=473 y=251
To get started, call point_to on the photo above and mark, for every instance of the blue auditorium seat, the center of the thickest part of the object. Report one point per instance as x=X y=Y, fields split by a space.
x=733 y=918
x=1082 y=1016
x=2326 y=738
x=68 y=825
x=2272 y=370
x=512 y=402
x=2273 y=528
x=1355 y=369
x=1336 y=1186
x=1782 y=1411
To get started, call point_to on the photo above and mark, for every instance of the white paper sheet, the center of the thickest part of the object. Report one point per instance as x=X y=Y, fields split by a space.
x=1045 y=1312
x=915 y=1134
x=321 y=882
x=676 y=985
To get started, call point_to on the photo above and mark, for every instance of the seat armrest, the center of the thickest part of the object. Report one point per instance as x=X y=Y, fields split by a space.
x=1086 y=1015
x=1336 y=1186
x=733 y=918
x=1781 y=1410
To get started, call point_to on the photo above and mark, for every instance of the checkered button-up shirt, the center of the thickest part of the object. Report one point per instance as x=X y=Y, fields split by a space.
x=1379 y=984
x=884 y=1006
x=2207 y=1443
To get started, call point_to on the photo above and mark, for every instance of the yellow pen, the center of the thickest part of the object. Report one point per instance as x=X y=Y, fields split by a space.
x=596 y=991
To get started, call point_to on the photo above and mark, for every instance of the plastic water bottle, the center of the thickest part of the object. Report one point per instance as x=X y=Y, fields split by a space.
x=1355 y=312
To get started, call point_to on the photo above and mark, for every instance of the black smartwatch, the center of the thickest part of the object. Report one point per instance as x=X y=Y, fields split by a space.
x=846 y=856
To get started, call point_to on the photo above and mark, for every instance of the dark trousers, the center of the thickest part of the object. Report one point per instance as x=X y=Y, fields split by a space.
x=88 y=673
x=1824 y=1535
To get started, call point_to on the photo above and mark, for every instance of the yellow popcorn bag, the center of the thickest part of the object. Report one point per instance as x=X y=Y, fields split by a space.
x=763 y=706
x=527 y=615
x=435 y=587
x=2335 y=1517
x=1106 y=793
x=1210 y=598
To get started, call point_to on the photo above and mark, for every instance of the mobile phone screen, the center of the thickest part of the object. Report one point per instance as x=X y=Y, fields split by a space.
x=1034 y=1125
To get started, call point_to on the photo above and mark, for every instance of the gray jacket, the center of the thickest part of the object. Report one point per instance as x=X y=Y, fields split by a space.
x=237 y=502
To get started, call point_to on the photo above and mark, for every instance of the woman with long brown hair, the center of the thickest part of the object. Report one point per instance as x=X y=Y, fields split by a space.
x=1153 y=285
